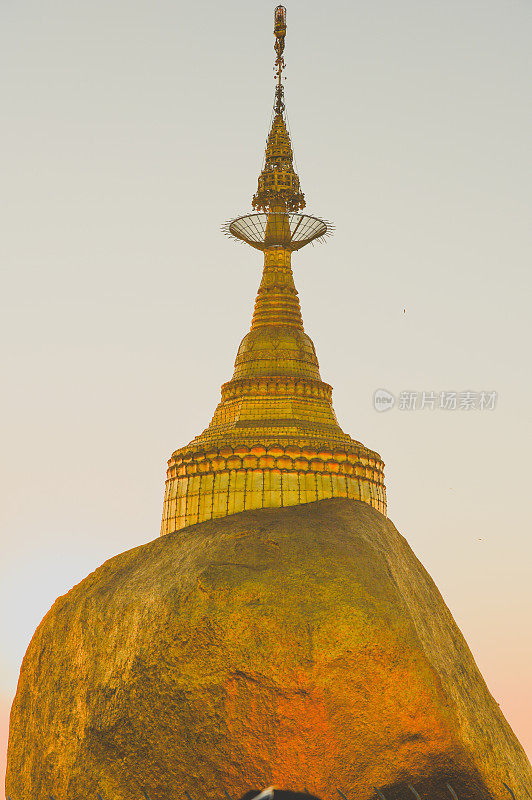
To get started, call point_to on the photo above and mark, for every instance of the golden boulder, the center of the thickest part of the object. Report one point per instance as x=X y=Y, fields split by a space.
x=305 y=647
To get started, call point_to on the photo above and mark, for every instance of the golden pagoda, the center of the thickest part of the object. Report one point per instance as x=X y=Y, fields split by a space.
x=274 y=439
x=301 y=645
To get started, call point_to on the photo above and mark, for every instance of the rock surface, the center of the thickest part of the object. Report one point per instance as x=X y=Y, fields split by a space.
x=304 y=646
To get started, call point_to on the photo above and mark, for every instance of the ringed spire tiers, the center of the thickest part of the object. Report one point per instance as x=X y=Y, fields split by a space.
x=274 y=439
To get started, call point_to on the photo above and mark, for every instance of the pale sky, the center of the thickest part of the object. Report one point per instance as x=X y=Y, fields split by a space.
x=129 y=131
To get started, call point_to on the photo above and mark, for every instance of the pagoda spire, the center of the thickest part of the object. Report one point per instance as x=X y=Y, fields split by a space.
x=278 y=189
x=279 y=29
x=274 y=439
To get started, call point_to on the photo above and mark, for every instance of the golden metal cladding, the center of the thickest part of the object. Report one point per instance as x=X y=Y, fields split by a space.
x=278 y=181
x=274 y=439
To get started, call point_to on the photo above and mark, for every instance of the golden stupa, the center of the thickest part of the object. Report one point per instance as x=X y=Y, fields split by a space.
x=274 y=439
x=295 y=644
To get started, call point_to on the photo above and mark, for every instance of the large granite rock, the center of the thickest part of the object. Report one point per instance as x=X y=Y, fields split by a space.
x=304 y=646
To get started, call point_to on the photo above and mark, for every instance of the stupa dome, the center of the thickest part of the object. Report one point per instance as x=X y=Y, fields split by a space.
x=276 y=351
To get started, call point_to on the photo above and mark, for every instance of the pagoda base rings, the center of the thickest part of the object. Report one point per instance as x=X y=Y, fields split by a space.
x=207 y=485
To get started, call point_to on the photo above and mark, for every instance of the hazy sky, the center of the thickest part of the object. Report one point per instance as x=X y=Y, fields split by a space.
x=129 y=131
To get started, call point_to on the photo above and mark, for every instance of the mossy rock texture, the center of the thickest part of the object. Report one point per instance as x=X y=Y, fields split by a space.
x=304 y=647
